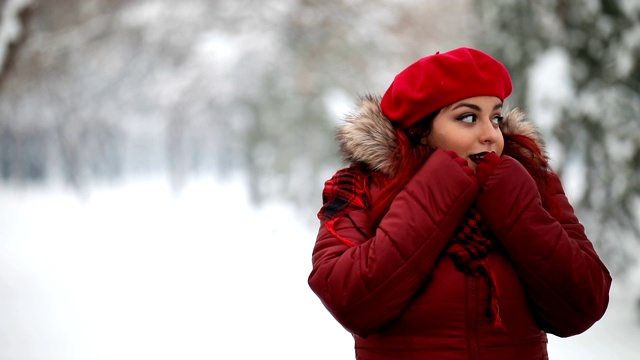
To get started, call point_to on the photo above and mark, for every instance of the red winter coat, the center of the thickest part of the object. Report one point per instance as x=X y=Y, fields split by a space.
x=402 y=299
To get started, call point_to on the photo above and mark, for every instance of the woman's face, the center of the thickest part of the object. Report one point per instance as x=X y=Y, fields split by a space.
x=470 y=127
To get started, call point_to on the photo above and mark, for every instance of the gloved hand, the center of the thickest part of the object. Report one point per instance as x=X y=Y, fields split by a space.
x=486 y=167
x=462 y=162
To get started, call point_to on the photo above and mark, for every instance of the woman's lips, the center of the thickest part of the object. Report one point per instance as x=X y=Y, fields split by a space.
x=477 y=158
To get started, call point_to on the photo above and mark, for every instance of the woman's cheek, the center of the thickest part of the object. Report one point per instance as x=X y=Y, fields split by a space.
x=500 y=144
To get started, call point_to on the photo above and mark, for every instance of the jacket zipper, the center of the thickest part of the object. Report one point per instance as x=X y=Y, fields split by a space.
x=472 y=318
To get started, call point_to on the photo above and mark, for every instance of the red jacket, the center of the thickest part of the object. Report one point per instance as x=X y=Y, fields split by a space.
x=402 y=299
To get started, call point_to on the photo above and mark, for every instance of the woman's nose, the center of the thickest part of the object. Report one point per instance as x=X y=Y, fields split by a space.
x=489 y=132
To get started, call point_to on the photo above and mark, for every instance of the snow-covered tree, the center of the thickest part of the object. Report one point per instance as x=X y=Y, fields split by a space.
x=12 y=17
x=104 y=88
x=575 y=67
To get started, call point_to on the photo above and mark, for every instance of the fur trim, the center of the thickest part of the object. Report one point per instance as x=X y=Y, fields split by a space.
x=516 y=123
x=367 y=135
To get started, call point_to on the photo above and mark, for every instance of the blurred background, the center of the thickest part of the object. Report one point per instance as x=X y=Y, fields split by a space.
x=161 y=162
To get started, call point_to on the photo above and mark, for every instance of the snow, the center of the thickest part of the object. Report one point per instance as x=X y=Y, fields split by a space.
x=132 y=271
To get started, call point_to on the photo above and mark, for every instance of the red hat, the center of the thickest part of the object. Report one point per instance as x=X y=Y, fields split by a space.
x=436 y=81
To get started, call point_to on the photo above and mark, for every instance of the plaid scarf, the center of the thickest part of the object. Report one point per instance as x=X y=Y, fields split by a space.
x=469 y=249
x=348 y=190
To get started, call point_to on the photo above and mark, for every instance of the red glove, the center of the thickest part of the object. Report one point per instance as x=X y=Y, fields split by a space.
x=462 y=162
x=486 y=167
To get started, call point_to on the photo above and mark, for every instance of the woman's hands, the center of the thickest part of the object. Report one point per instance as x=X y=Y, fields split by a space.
x=564 y=278
x=486 y=168
x=462 y=162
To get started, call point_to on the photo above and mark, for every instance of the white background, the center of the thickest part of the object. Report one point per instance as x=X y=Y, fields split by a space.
x=133 y=272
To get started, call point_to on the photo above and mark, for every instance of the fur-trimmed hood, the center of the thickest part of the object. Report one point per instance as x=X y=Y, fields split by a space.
x=367 y=135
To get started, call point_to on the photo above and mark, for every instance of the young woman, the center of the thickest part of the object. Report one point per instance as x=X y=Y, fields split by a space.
x=448 y=236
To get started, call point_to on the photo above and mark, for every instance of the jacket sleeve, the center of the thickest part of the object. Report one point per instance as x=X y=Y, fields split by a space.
x=367 y=285
x=562 y=273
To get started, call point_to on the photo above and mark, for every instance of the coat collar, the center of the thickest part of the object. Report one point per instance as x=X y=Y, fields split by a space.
x=367 y=135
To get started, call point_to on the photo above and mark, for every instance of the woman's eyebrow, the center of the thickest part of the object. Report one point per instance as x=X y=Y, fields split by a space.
x=475 y=107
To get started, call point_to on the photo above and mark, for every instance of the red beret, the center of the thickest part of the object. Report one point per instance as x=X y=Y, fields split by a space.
x=436 y=81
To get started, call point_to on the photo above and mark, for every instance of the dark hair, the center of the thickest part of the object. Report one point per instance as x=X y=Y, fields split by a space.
x=419 y=131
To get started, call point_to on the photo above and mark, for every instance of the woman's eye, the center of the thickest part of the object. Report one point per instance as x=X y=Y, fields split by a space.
x=498 y=119
x=467 y=118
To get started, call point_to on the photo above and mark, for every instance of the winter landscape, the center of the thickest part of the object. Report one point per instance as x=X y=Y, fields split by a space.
x=161 y=161
x=133 y=271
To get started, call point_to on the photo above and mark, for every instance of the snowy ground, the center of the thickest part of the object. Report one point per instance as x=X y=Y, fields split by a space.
x=132 y=272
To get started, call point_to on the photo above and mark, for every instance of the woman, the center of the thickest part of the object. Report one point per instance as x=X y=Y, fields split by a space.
x=448 y=236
